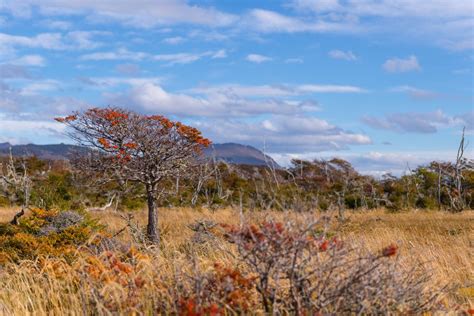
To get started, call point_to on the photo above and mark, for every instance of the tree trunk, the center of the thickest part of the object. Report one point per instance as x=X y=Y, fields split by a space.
x=152 y=229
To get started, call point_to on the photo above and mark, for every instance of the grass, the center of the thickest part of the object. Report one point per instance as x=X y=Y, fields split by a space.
x=442 y=242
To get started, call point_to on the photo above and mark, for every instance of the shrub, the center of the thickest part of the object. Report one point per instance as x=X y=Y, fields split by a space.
x=301 y=271
x=45 y=233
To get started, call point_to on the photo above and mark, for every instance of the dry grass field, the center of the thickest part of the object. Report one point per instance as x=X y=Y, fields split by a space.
x=441 y=242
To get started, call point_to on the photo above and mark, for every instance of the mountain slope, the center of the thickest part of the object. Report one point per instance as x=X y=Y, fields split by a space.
x=239 y=154
x=228 y=152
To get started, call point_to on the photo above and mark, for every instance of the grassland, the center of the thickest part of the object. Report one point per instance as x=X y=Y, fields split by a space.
x=441 y=242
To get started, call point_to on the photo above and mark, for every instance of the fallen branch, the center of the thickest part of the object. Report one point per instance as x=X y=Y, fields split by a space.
x=14 y=221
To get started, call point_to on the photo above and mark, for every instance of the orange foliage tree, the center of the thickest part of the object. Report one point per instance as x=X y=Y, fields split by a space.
x=135 y=147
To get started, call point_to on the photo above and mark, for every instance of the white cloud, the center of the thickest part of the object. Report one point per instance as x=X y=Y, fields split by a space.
x=128 y=69
x=246 y=91
x=284 y=133
x=38 y=87
x=9 y=71
x=83 y=39
x=398 y=65
x=256 y=58
x=25 y=125
x=179 y=58
x=276 y=90
x=120 y=54
x=418 y=122
x=374 y=163
x=463 y=71
x=269 y=21
x=139 y=13
x=186 y=58
x=313 y=88
x=170 y=59
x=53 y=41
x=44 y=40
x=222 y=53
x=294 y=60
x=57 y=24
x=416 y=93
x=390 y=8
x=174 y=40
x=339 y=54
x=115 y=81
x=448 y=24
x=29 y=60
x=211 y=103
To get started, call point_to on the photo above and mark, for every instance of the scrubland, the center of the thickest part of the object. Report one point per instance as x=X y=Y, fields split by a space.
x=199 y=272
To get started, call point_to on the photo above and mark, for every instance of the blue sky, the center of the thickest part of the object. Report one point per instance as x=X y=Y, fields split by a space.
x=382 y=83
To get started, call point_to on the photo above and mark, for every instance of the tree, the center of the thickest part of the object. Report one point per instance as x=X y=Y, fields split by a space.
x=132 y=147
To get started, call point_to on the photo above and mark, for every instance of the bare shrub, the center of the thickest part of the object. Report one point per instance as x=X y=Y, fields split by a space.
x=60 y=222
x=299 y=269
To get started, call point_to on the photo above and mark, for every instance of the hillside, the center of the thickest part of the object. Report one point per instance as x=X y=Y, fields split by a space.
x=239 y=154
x=228 y=152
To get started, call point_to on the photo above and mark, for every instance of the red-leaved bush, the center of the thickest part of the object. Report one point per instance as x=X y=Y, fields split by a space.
x=299 y=270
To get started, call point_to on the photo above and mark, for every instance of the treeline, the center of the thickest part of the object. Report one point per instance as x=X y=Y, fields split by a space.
x=320 y=184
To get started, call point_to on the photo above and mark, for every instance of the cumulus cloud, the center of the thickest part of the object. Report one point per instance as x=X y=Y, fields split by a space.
x=374 y=163
x=339 y=54
x=258 y=59
x=397 y=163
x=425 y=123
x=398 y=65
x=152 y=97
x=247 y=114
x=284 y=133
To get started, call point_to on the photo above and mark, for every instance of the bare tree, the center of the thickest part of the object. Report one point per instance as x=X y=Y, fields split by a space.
x=15 y=184
x=134 y=147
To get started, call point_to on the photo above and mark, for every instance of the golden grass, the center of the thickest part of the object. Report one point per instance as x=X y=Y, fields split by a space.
x=443 y=241
x=7 y=213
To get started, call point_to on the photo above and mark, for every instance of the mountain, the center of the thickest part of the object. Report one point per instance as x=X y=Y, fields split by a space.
x=229 y=152
x=53 y=152
x=239 y=154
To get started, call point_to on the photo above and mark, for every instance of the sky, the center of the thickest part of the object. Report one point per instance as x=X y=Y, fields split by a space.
x=385 y=84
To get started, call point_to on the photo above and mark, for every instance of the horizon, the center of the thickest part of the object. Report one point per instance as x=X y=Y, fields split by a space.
x=382 y=84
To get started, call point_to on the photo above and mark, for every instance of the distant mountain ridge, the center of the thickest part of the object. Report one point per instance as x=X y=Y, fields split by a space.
x=229 y=152
x=239 y=154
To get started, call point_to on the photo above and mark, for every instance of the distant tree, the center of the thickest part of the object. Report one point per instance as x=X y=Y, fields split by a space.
x=135 y=147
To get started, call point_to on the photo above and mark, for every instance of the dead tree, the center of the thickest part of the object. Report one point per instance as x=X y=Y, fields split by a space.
x=16 y=185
